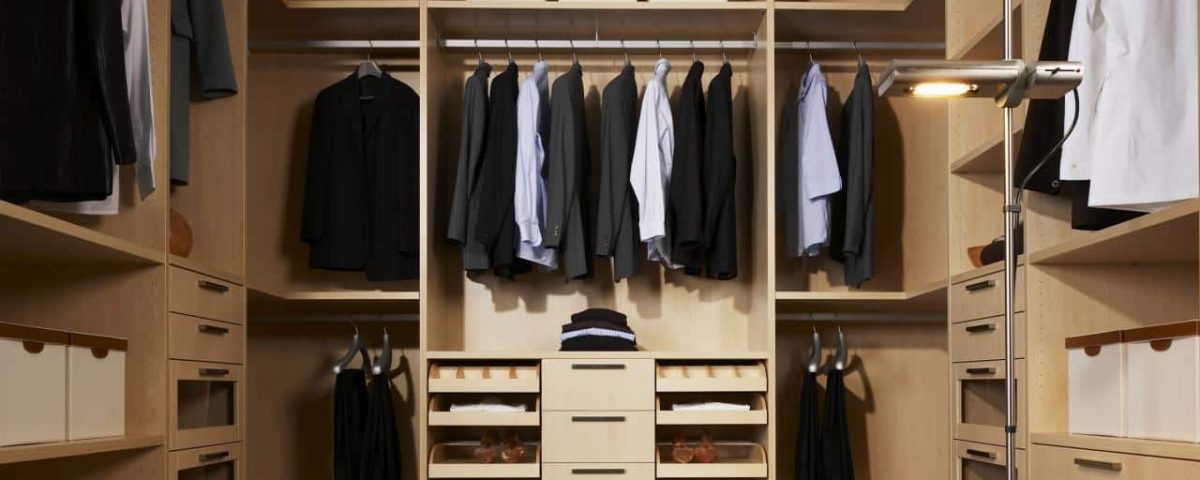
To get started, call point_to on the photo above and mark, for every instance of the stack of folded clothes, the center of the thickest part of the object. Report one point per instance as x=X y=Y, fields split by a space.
x=598 y=329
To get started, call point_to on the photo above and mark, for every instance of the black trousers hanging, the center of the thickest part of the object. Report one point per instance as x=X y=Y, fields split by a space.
x=808 y=438
x=839 y=463
x=349 y=420
x=381 y=445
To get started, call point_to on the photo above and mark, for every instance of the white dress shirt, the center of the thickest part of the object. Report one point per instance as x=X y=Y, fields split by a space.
x=819 y=177
x=650 y=172
x=1137 y=134
x=529 y=194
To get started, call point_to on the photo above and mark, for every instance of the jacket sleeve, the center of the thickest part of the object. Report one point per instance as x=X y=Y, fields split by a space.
x=214 y=65
x=605 y=213
x=687 y=191
x=106 y=59
x=558 y=177
x=409 y=182
x=469 y=142
x=720 y=165
x=316 y=185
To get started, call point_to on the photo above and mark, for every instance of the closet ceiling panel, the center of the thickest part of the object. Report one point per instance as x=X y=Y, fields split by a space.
x=921 y=21
x=564 y=24
x=271 y=20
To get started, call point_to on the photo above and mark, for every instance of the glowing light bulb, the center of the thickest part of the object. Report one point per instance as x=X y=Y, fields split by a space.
x=942 y=89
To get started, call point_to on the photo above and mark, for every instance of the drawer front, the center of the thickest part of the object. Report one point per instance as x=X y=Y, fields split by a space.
x=979 y=402
x=598 y=437
x=984 y=297
x=974 y=461
x=202 y=296
x=200 y=339
x=598 y=471
x=980 y=340
x=575 y=385
x=218 y=462
x=206 y=404
x=1060 y=463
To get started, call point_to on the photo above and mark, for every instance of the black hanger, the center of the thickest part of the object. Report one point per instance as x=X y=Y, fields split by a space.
x=369 y=68
x=356 y=346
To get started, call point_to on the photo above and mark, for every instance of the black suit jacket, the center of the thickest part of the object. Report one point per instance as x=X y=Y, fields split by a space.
x=616 y=227
x=720 y=179
x=64 y=106
x=567 y=165
x=686 y=214
x=361 y=201
x=496 y=230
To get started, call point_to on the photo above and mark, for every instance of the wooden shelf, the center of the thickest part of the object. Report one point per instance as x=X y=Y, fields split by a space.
x=413 y=4
x=50 y=451
x=594 y=5
x=920 y=21
x=1131 y=446
x=712 y=377
x=201 y=268
x=665 y=415
x=31 y=237
x=534 y=355
x=455 y=460
x=988 y=158
x=484 y=379
x=930 y=297
x=1167 y=236
x=984 y=270
x=867 y=6
x=734 y=460
x=988 y=42
x=441 y=416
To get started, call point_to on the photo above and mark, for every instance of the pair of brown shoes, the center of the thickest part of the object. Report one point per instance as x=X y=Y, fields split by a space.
x=511 y=449
x=684 y=452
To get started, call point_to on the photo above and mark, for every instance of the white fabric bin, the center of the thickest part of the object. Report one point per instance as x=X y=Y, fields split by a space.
x=1164 y=382
x=33 y=385
x=1096 y=384
x=96 y=387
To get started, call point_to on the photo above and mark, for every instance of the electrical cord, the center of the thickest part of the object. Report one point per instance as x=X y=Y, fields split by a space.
x=1046 y=158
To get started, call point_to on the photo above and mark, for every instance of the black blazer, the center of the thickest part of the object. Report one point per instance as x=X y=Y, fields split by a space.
x=361 y=200
x=567 y=165
x=720 y=179
x=616 y=224
x=64 y=106
x=686 y=214
x=496 y=229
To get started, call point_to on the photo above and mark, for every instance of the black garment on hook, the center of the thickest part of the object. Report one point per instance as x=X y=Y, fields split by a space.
x=497 y=180
x=685 y=216
x=349 y=423
x=464 y=208
x=852 y=233
x=616 y=218
x=381 y=444
x=720 y=179
x=567 y=166
x=839 y=463
x=808 y=439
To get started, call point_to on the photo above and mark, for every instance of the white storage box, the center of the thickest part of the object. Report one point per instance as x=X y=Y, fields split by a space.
x=33 y=385
x=1096 y=384
x=95 y=387
x=1163 y=389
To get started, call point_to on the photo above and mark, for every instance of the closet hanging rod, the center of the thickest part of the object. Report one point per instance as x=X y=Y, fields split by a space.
x=336 y=45
x=862 y=46
x=594 y=44
x=861 y=317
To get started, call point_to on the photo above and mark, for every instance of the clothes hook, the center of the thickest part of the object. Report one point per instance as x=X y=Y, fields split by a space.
x=370 y=50
x=537 y=44
x=477 y=51
x=724 y=58
x=856 y=52
x=625 y=51
x=693 y=43
x=508 y=50
x=574 y=57
x=658 y=43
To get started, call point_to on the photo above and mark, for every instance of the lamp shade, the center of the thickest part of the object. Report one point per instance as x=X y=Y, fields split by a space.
x=1010 y=80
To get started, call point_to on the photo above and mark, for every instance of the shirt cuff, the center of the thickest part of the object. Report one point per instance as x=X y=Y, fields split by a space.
x=651 y=230
x=531 y=233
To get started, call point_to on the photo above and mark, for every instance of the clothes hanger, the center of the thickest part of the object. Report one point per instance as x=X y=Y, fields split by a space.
x=509 y=51
x=537 y=44
x=857 y=53
x=814 y=357
x=811 y=60
x=658 y=43
x=478 y=52
x=626 y=52
x=369 y=68
x=383 y=364
x=574 y=57
x=356 y=346
x=694 y=59
x=839 y=359
x=724 y=57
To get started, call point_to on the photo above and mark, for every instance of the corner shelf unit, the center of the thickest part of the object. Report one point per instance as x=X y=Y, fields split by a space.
x=32 y=237
x=1131 y=446
x=61 y=450
x=1167 y=236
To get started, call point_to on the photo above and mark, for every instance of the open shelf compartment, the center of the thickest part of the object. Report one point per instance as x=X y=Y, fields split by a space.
x=457 y=460
x=441 y=416
x=756 y=415
x=712 y=377
x=484 y=378
x=61 y=450
x=734 y=460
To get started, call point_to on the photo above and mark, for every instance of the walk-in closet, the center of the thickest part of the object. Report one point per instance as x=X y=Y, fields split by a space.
x=599 y=239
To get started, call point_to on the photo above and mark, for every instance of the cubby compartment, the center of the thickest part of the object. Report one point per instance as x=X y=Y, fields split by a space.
x=733 y=460
x=712 y=377
x=711 y=409
x=450 y=410
x=458 y=460
x=484 y=378
x=980 y=402
x=977 y=461
x=219 y=462
x=205 y=404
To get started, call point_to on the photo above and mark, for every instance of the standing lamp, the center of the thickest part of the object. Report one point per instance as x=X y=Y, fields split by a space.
x=1008 y=82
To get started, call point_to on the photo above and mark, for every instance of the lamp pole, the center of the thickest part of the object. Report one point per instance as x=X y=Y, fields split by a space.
x=1010 y=268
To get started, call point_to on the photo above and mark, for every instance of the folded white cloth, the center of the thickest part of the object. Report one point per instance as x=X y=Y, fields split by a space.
x=710 y=406
x=599 y=332
x=489 y=404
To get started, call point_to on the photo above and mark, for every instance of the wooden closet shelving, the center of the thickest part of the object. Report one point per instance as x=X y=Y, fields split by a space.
x=34 y=237
x=594 y=5
x=63 y=450
x=975 y=30
x=987 y=158
x=1132 y=446
x=930 y=297
x=862 y=6
x=1167 y=236
x=350 y=4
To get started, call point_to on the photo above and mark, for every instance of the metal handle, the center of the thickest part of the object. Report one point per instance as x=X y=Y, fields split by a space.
x=1098 y=464
x=980 y=453
x=211 y=457
x=212 y=329
x=597 y=366
x=597 y=471
x=986 y=327
x=982 y=371
x=214 y=286
x=213 y=372
x=980 y=285
x=600 y=418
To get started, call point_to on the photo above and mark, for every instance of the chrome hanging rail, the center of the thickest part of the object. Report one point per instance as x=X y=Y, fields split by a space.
x=596 y=44
x=862 y=46
x=336 y=45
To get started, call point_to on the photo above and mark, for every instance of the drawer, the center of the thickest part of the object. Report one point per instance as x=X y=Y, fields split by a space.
x=979 y=402
x=979 y=340
x=203 y=296
x=598 y=385
x=598 y=471
x=219 y=462
x=200 y=339
x=205 y=404
x=977 y=461
x=1060 y=463
x=984 y=297
x=598 y=437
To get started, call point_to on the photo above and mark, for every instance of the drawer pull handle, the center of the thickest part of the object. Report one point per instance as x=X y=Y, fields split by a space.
x=213 y=372
x=981 y=285
x=986 y=327
x=981 y=371
x=212 y=457
x=597 y=471
x=213 y=286
x=597 y=366
x=1098 y=464
x=213 y=329
x=598 y=419
x=982 y=454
